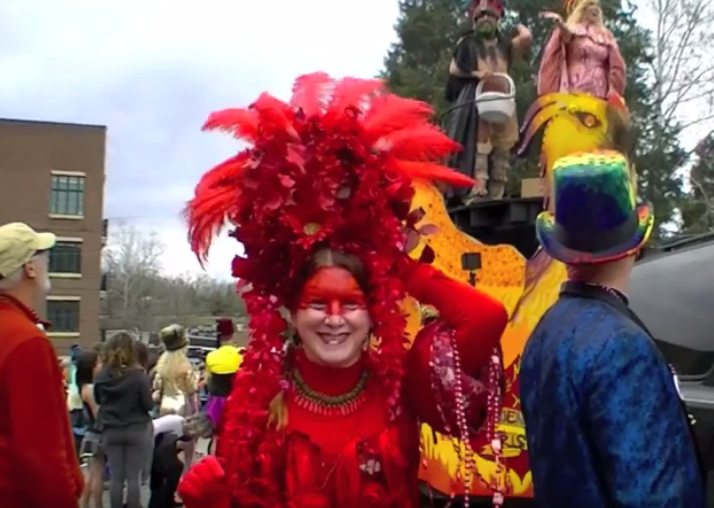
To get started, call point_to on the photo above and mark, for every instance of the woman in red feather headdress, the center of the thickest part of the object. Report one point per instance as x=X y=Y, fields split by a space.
x=329 y=416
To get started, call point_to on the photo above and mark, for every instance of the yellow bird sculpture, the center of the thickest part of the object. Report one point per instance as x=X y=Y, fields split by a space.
x=574 y=123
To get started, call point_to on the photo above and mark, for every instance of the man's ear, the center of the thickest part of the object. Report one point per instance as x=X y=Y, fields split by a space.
x=30 y=269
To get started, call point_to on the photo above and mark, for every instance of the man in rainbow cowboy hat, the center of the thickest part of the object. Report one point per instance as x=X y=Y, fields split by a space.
x=604 y=421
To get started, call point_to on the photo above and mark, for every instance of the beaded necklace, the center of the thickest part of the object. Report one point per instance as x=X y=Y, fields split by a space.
x=460 y=434
x=329 y=405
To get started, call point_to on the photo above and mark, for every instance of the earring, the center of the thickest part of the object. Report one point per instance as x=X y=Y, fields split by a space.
x=367 y=341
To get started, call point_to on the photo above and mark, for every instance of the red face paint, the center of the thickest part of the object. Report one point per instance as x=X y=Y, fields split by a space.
x=333 y=290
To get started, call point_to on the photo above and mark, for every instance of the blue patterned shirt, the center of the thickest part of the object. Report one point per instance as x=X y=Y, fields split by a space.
x=604 y=422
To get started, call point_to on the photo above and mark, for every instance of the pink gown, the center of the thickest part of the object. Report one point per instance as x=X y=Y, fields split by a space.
x=589 y=63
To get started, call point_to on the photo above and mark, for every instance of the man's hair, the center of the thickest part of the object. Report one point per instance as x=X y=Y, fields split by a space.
x=12 y=280
x=86 y=362
x=583 y=272
x=101 y=349
x=141 y=351
x=593 y=272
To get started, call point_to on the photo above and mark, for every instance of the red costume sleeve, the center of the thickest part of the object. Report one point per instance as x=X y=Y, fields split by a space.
x=477 y=320
x=41 y=435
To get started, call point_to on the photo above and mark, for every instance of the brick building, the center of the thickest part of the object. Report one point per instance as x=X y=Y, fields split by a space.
x=52 y=178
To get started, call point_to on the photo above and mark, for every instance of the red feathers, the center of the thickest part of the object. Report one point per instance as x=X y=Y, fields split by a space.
x=331 y=138
x=427 y=171
x=241 y=123
x=216 y=198
x=392 y=113
x=422 y=143
x=353 y=93
x=311 y=93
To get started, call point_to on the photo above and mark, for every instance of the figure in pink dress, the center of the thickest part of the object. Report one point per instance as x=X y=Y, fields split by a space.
x=581 y=55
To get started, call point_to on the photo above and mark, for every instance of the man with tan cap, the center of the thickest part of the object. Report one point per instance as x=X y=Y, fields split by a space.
x=38 y=464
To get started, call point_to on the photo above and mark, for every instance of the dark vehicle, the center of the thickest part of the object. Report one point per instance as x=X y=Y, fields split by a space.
x=672 y=291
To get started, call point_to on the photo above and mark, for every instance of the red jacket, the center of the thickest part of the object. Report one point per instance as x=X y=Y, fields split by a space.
x=38 y=463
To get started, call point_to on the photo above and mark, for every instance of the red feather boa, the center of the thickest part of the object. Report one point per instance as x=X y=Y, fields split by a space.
x=333 y=168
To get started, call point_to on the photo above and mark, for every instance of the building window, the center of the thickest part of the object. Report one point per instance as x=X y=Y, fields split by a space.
x=63 y=315
x=67 y=195
x=66 y=257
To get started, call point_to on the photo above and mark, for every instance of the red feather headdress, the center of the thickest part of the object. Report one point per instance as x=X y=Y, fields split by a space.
x=494 y=7
x=333 y=167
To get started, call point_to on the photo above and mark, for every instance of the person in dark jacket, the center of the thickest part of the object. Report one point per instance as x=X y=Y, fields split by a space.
x=604 y=422
x=123 y=392
x=166 y=466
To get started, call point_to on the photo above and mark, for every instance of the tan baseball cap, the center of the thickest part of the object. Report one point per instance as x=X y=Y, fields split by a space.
x=18 y=243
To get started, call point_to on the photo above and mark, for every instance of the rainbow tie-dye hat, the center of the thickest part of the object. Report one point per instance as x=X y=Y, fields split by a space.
x=596 y=218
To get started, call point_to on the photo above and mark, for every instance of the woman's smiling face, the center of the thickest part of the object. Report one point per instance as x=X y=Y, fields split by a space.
x=331 y=318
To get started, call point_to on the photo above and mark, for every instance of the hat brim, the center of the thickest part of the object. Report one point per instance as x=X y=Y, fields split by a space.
x=44 y=241
x=544 y=227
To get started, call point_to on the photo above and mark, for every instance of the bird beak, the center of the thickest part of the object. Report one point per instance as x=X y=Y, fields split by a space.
x=543 y=110
x=614 y=99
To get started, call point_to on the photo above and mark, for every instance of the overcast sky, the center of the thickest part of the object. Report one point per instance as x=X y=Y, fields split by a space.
x=151 y=71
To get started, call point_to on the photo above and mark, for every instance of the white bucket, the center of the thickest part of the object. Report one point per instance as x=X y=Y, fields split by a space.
x=496 y=107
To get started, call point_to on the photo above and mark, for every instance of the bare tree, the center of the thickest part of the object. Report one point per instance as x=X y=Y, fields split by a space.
x=211 y=297
x=140 y=297
x=683 y=66
x=132 y=261
x=178 y=297
x=698 y=210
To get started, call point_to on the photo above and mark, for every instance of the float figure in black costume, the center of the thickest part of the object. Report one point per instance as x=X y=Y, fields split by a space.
x=483 y=54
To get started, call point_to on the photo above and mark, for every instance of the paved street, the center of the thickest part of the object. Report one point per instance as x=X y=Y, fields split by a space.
x=200 y=451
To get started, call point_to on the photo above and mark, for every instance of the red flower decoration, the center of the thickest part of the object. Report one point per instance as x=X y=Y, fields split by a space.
x=334 y=168
x=494 y=6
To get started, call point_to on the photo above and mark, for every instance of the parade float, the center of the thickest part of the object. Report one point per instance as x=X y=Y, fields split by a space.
x=487 y=238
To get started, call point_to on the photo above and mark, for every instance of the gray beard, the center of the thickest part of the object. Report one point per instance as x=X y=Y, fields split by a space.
x=45 y=285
